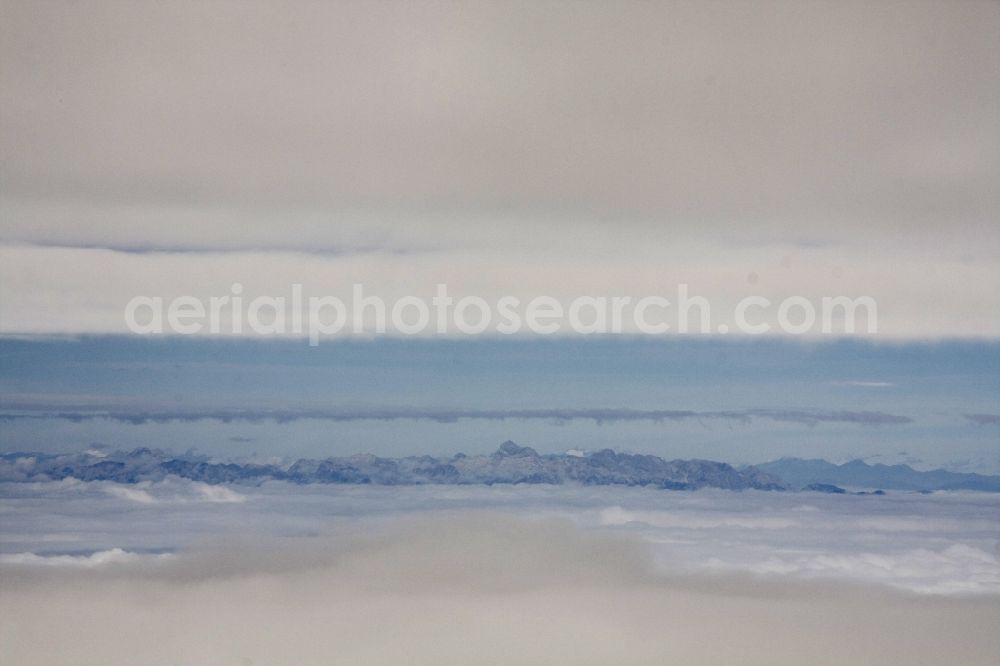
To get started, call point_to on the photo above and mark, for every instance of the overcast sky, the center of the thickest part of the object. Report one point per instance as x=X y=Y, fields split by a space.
x=565 y=148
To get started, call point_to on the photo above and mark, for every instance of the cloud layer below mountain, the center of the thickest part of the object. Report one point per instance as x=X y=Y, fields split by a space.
x=461 y=589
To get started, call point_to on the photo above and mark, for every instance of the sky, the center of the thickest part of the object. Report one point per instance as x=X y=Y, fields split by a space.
x=774 y=149
x=925 y=404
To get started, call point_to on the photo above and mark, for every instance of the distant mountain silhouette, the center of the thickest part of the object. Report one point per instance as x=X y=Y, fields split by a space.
x=799 y=473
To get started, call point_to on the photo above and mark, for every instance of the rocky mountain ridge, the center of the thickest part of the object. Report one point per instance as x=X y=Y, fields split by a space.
x=510 y=464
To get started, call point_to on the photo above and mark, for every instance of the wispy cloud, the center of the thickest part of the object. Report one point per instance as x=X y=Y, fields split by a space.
x=983 y=419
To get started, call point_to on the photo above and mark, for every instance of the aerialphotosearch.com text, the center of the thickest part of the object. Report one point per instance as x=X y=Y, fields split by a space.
x=364 y=314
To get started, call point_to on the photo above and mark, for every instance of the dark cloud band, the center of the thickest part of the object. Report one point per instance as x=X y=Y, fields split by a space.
x=597 y=415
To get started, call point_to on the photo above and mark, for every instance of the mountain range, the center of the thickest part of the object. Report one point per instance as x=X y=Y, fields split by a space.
x=509 y=464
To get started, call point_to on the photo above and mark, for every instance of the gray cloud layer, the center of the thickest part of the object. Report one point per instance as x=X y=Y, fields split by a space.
x=782 y=115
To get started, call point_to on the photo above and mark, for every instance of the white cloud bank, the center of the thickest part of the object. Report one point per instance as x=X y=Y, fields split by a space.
x=171 y=489
x=72 y=290
x=101 y=558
